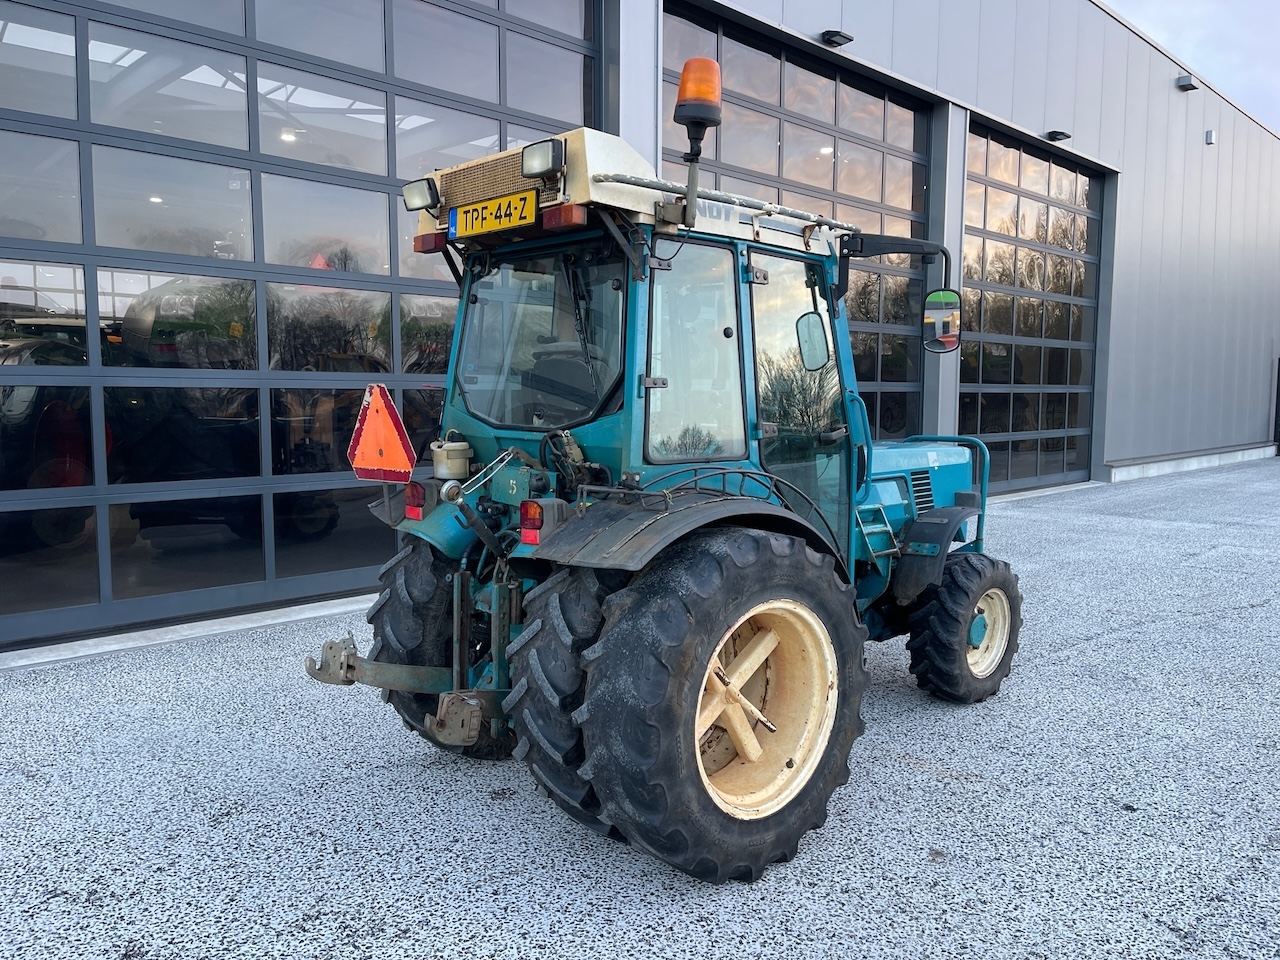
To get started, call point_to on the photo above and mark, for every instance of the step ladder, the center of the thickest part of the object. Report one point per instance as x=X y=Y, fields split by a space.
x=877 y=534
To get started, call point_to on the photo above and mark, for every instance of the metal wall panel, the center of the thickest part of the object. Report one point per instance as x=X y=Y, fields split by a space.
x=1188 y=330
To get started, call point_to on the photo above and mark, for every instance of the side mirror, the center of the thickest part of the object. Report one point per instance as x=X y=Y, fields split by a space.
x=941 y=321
x=811 y=333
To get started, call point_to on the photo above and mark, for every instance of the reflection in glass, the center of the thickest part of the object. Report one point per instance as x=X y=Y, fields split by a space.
x=44 y=431
x=321 y=120
x=1026 y=412
x=1035 y=174
x=167 y=546
x=42 y=315
x=328 y=329
x=1002 y=211
x=144 y=201
x=1051 y=456
x=750 y=71
x=165 y=434
x=324 y=226
x=48 y=559
x=1022 y=462
x=518 y=136
x=995 y=406
x=163 y=320
x=1061 y=225
x=422 y=410
x=1055 y=411
x=970 y=357
x=745 y=188
x=566 y=16
x=162 y=86
x=971 y=308
x=311 y=429
x=974 y=203
x=1030 y=269
x=749 y=139
x=968 y=405
x=421 y=266
x=682 y=40
x=1078 y=406
x=429 y=137
x=1002 y=162
x=426 y=332
x=1029 y=317
x=322 y=530
x=903 y=127
x=866 y=355
x=997 y=313
x=1058 y=278
x=1056 y=323
x=999 y=461
x=464 y=51
x=1055 y=365
x=899 y=358
x=1033 y=220
x=868 y=221
x=999 y=265
x=1062 y=184
x=971 y=258
x=802 y=201
x=860 y=112
x=545 y=79
x=859 y=171
x=1026 y=364
x=977 y=154
x=903 y=300
x=39 y=188
x=807 y=155
x=898 y=416
x=225 y=15
x=1082 y=323
x=349 y=31
x=862 y=302
x=903 y=184
x=809 y=93
x=1081 y=372
x=37 y=61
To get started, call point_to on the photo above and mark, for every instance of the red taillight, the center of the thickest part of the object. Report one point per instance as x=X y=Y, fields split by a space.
x=530 y=522
x=415 y=498
x=562 y=218
x=429 y=242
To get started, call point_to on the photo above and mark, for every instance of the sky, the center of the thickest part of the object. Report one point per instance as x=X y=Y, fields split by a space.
x=1234 y=45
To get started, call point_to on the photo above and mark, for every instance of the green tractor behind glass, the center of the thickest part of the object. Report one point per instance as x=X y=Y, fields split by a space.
x=658 y=533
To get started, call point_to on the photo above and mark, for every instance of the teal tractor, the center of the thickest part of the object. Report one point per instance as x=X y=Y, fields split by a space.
x=658 y=532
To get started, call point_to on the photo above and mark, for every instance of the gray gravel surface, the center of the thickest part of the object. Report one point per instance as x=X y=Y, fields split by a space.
x=1117 y=799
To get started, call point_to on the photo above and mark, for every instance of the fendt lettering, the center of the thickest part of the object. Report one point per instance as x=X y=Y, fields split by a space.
x=657 y=533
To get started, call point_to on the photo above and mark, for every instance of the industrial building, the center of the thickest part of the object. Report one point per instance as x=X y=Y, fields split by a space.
x=204 y=260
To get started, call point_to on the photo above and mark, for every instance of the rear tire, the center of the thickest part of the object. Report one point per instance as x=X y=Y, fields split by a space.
x=413 y=623
x=669 y=747
x=964 y=632
x=562 y=618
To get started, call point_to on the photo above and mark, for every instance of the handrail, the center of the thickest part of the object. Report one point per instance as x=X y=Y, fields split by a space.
x=984 y=465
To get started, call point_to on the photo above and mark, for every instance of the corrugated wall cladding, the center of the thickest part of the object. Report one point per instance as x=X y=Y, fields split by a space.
x=1190 y=328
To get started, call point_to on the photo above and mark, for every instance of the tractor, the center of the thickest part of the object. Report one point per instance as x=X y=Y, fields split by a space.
x=658 y=534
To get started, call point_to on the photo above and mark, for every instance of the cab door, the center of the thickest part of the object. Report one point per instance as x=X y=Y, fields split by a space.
x=803 y=426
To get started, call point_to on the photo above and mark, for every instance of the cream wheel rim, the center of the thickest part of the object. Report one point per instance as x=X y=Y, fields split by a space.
x=766 y=709
x=988 y=633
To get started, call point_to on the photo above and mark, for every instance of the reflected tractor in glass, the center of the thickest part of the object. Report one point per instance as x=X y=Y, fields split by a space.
x=658 y=533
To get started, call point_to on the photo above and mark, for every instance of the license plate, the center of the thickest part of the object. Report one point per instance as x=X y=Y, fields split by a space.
x=513 y=210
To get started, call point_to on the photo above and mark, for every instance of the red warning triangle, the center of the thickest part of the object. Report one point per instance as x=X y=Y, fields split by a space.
x=380 y=447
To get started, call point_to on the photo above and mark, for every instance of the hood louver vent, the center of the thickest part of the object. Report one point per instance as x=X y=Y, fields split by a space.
x=921 y=490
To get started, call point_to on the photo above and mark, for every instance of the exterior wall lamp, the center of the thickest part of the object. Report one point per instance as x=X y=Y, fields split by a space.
x=836 y=38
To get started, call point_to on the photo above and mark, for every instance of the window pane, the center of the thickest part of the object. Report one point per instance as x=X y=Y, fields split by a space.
x=1022 y=462
x=349 y=31
x=322 y=530
x=1030 y=269
x=1026 y=364
x=899 y=359
x=700 y=416
x=995 y=409
x=166 y=87
x=903 y=300
x=866 y=356
x=903 y=128
x=1026 y=412
x=426 y=333
x=328 y=329
x=166 y=434
x=1029 y=317
x=970 y=308
x=1055 y=365
x=749 y=139
x=807 y=155
x=904 y=184
x=1055 y=411
x=422 y=417
x=1051 y=459
x=862 y=302
x=1062 y=184
x=39 y=188
x=566 y=16
x=1002 y=211
x=325 y=227
x=37 y=61
x=868 y=221
x=48 y=559
x=750 y=71
x=185 y=545
x=810 y=93
x=44 y=434
x=1035 y=174
x=1081 y=371
x=970 y=357
x=545 y=79
x=802 y=201
x=997 y=367
x=523 y=136
x=860 y=171
x=971 y=258
x=311 y=429
x=147 y=202
x=421 y=266
x=682 y=40
x=1078 y=406
x=1061 y=226
x=42 y=315
x=997 y=315
x=861 y=113
x=975 y=201
x=1033 y=220
x=165 y=320
x=429 y=137
x=977 y=154
x=1082 y=323
x=226 y=15
x=1002 y=162
x=305 y=117
x=999 y=266
x=969 y=411
x=1058 y=278
x=463 y=52
x=999 y=461
x=899 y=416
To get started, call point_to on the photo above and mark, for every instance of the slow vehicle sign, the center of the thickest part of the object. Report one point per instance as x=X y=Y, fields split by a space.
x=380 y=448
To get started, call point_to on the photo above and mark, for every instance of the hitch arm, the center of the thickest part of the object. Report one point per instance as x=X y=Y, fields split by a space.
x=341 y=664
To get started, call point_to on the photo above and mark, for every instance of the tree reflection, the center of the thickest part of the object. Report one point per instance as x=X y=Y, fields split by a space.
x=328 y=329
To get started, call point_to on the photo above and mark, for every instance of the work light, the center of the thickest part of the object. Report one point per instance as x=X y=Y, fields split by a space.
x=421 y=194
x=542 y=160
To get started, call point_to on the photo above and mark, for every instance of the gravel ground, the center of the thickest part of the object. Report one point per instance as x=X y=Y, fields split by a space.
x=1117 y=799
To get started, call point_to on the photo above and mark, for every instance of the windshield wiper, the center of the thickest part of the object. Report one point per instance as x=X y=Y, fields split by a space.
x=573 y=276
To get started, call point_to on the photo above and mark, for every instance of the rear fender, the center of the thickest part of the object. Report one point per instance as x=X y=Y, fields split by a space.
x=628 y=536
x=925 y=545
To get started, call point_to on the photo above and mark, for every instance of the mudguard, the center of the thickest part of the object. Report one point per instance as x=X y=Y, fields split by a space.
x=627 y=536
x=925 y=544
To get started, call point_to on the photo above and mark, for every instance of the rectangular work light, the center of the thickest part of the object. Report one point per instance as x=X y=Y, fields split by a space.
x=421 y=194
x=542 y=160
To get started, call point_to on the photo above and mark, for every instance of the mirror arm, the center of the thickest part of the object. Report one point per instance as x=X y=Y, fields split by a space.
x=863 y=245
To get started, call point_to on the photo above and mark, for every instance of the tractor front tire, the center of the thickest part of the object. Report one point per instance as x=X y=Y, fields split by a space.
x=412 y=623
x=562 y=618
x=964 y=631
x=729 y=633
